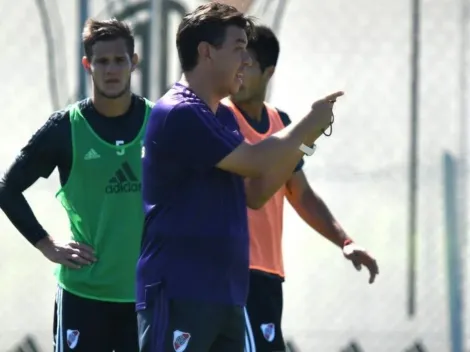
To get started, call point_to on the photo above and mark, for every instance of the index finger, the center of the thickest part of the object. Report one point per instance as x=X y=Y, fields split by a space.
x=82 y=246
x=70 y=264
x=333 y=96
x=373 y=270
x=372 y=277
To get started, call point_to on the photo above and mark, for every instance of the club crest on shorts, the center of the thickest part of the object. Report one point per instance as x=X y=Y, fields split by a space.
x=269 y=331
x=180 y=340
x=72 y=338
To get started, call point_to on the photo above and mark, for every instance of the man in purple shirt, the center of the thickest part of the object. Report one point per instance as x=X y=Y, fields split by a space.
x=192 y=274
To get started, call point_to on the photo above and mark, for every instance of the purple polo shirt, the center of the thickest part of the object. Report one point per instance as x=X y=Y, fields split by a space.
x=195 y=239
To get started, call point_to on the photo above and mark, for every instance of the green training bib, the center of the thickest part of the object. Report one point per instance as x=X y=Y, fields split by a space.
x=103 y=201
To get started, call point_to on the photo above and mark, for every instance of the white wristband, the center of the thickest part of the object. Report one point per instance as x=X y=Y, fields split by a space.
x=308 y=150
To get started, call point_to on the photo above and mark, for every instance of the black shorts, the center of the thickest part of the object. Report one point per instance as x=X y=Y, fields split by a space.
x=87 y=325
x=264 y=314
x=167 y=325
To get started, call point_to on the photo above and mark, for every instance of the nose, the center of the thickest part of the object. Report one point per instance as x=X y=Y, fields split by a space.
x=112 y=68
x=247 y=60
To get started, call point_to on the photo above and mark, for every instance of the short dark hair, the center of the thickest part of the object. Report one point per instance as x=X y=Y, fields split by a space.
x=95 y=31
x=265 y=46
x=208 y=23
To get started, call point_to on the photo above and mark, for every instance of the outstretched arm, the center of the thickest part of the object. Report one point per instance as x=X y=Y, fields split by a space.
x=216 y=145
x=313 y=210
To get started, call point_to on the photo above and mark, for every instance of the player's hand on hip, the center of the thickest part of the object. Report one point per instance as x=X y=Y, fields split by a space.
x=71 y=254
x=322 y=110
x=359 y=257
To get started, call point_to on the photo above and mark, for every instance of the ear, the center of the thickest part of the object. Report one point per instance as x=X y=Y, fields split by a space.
x=86 y=64
x=135 y=62
x=269 y=71
x=204 y=50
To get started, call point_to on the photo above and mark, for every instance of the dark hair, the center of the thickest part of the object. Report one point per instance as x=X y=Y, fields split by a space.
x=95 y=31
x=208 y=23
x=265 y=46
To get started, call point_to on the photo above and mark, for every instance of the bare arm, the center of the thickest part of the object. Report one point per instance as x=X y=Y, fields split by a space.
x=260 y=189
x=281 y=150
x=313 y=210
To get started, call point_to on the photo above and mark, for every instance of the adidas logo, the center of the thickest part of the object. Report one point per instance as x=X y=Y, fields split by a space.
x=92 y=154
x=123 y=181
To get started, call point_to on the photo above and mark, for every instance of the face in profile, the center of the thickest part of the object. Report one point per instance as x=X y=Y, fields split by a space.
x=111 y=67
x=230 y=61
x=254 y=81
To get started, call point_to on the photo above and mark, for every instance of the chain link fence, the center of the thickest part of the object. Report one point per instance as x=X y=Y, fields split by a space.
x=362 y=171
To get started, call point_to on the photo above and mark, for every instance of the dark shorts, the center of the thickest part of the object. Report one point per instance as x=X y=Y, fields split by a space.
x=264 y=314
x=87 y=325
x=167 y=325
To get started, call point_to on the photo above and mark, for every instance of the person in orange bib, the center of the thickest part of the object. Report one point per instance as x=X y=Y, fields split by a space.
x=258 y=120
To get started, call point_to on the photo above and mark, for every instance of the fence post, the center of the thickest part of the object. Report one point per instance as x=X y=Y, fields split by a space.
x=453 y=253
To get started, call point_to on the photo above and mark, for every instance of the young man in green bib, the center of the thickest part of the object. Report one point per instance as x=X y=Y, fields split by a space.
x=96 y=146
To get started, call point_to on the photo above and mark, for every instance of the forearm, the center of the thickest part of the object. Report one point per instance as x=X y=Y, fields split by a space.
x=313 y=210
x=18 y=211
x=282 y=148
x=260 y=189
x=277 y=158
x=280 y=152
x=24 y=172
x=37 y=159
